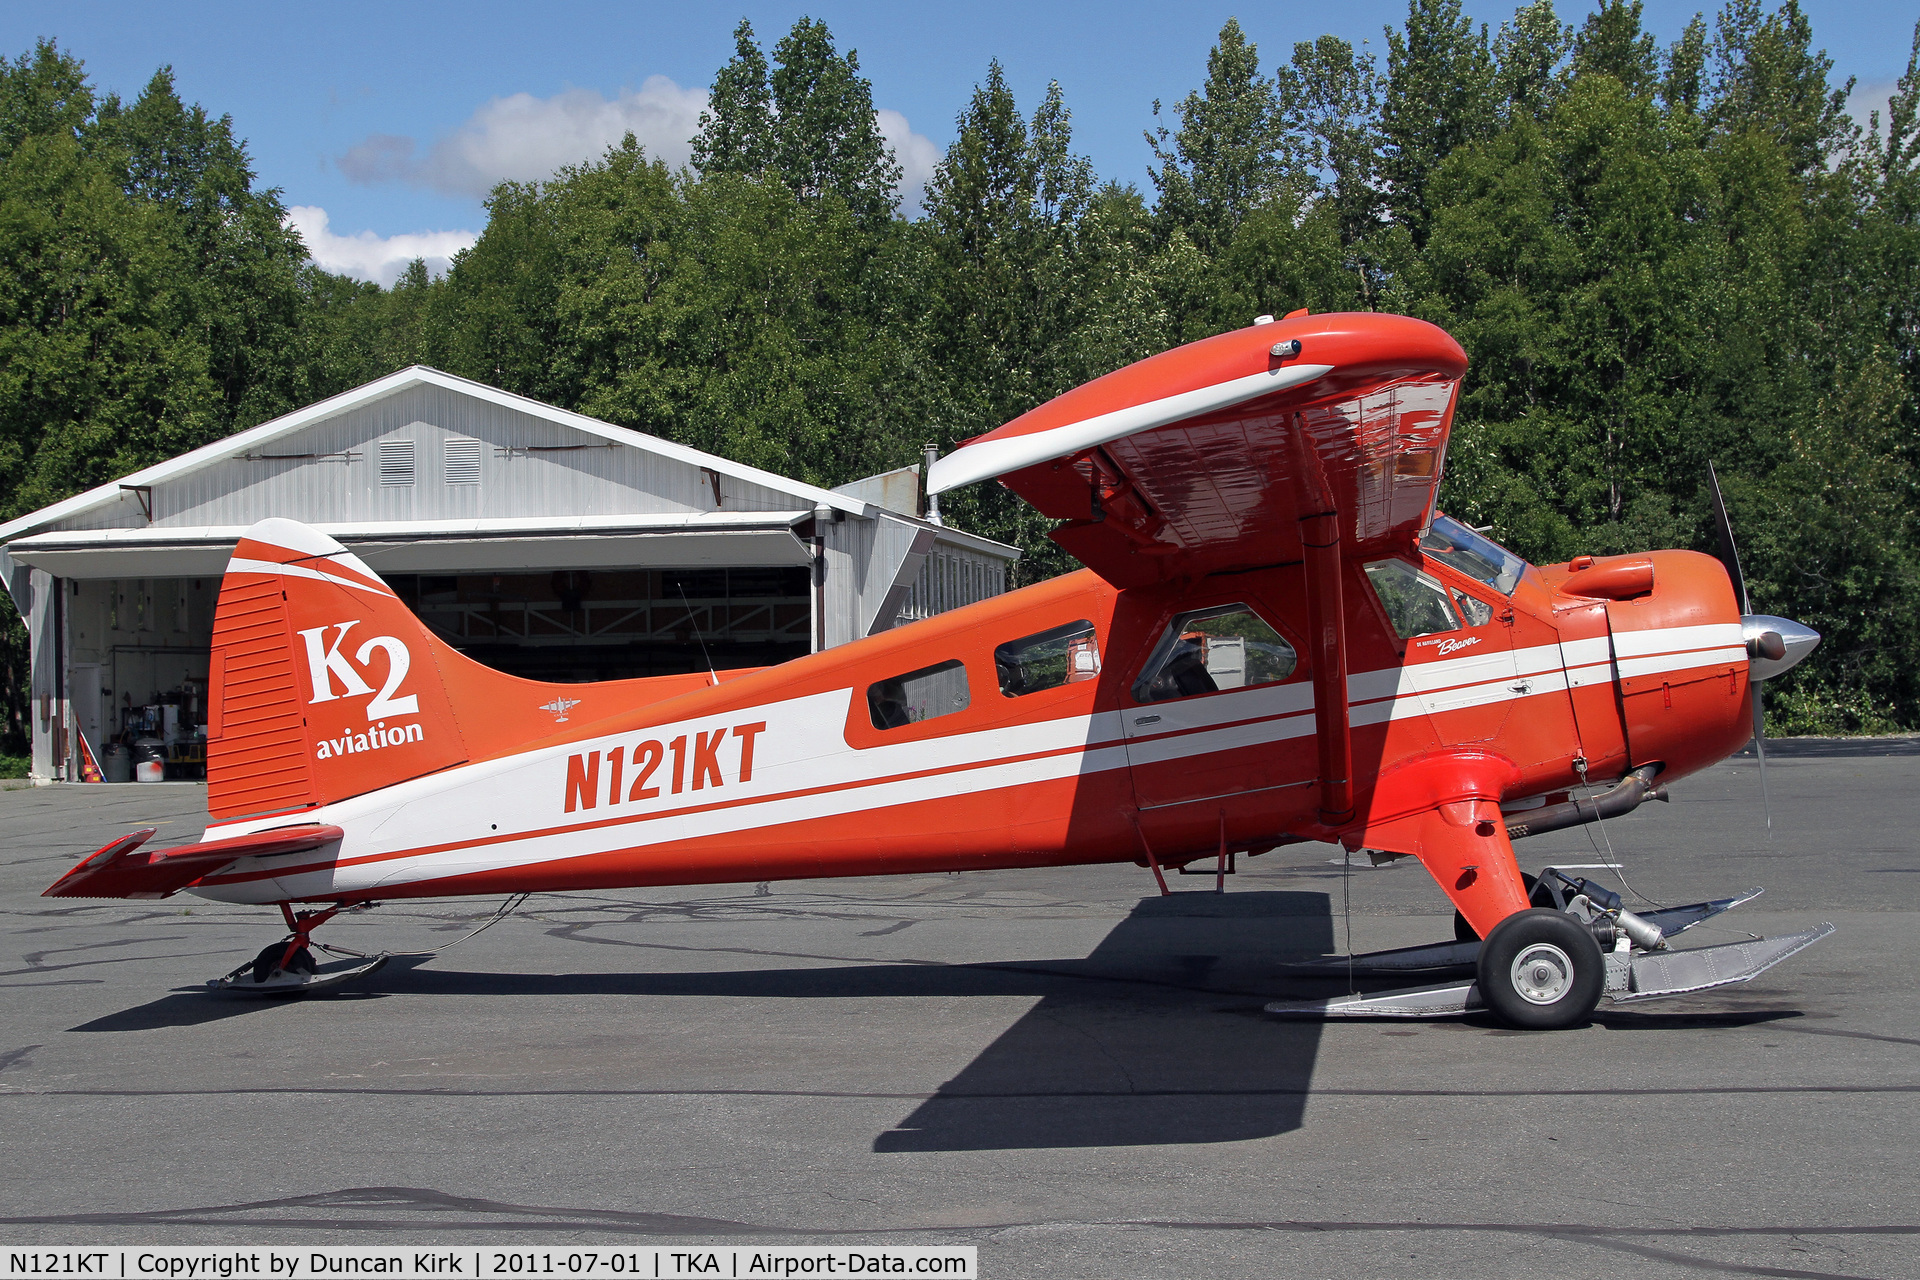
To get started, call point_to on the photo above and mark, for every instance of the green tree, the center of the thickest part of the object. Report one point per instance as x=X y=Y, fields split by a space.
x=1769 y=78
x=1232 y=149
x=809 y=119
x=1439 y=95
x=736 y=129
x=1336 y=94
x=1011 y=259
x=1611 y=42
x=827 y=138
x=1527 y=53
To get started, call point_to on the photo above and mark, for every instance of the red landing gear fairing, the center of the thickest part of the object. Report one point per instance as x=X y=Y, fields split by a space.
x=1276 y=639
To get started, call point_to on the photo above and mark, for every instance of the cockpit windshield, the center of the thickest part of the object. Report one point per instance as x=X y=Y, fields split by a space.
x=1480 y=558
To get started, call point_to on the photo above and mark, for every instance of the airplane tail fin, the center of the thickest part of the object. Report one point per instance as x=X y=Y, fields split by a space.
x=324 y=684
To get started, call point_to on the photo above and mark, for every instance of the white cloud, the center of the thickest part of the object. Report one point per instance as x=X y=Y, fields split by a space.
x=367 y=256
x=917 y=156
x=521 y=138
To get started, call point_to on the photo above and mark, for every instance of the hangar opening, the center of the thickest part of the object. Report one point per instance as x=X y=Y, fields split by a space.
x=611 y=624
x=540 y=542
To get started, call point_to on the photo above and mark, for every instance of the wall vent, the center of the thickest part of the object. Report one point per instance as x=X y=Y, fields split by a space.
x=462 y=460
x=396 y=462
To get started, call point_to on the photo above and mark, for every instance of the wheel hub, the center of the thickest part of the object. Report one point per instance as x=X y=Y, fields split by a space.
x=1542 y=973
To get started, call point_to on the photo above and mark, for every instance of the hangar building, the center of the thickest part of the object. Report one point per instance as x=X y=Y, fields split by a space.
x=540 y=542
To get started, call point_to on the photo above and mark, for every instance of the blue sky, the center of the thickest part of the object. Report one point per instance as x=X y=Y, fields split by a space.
x=383 y=124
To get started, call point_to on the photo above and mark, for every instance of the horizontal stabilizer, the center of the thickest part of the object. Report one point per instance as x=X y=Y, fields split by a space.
x=120 y=871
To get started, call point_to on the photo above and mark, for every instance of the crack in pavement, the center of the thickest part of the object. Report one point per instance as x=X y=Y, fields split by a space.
x=440 y=1211
x=988 y=1095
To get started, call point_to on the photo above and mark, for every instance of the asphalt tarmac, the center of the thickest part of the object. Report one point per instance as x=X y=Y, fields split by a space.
x=1057 y=1066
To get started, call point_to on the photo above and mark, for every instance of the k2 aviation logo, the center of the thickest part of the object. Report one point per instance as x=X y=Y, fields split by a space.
x=325 y=664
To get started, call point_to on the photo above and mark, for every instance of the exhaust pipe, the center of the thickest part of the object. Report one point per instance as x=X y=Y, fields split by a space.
x=1622 y=798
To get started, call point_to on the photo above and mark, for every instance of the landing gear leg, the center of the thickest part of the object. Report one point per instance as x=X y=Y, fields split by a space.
x=287 y=967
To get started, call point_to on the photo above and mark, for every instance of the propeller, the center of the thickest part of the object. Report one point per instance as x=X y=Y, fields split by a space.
x=1730 y=557
x=1729 y=554
x=1773 y=644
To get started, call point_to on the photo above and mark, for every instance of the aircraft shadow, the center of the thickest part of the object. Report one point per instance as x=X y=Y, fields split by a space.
x=195 y=1008
x=1189 y=1062
x=1155 y=1038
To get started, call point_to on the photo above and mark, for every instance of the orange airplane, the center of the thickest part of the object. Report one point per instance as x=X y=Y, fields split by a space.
x=1276 y=638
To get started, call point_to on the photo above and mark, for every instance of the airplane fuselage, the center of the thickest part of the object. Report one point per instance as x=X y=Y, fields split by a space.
x=946 y=745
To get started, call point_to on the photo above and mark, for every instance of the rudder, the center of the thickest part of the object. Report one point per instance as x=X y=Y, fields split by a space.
x=324 y=684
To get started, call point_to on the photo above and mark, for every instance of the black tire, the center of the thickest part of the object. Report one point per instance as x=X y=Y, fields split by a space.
x=1541 y=970
x=1538 y=894
x=267 y=963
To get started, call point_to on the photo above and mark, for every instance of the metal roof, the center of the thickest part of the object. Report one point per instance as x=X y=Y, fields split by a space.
x=807 y=496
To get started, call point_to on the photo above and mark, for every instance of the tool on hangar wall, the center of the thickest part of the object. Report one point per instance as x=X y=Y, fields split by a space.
x=1276 y=638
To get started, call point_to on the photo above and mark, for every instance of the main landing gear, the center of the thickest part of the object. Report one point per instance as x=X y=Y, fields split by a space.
x=287 y=967
x=1551 y=965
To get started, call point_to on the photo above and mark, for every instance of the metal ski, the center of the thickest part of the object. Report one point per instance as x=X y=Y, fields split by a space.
x=1641 y=975
x=1671 y=921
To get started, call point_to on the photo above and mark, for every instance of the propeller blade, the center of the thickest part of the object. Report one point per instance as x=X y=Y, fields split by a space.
x=1760 y=751
x=1729 y=555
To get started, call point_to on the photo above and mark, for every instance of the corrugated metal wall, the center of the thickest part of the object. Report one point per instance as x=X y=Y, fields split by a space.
x=528 y=467
x=951 y=577
x=866 y=560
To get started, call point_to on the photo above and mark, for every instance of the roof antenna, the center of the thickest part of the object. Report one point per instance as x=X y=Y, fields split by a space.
x=713 y=676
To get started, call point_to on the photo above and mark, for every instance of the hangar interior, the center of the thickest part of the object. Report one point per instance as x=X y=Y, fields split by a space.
x=537 y=541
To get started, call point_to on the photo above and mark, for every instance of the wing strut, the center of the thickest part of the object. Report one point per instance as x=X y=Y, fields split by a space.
x=1327 y=623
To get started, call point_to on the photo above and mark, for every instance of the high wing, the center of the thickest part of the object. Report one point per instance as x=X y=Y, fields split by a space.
x=1208 y=457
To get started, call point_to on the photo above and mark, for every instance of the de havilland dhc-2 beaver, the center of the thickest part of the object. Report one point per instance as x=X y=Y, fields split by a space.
x=1276 y=638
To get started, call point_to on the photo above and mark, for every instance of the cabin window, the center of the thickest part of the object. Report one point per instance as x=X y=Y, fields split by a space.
x=1046 y=660
x=925 y=694
x=1415 y=603
x=1476 y=611
x=1226 y=647
x=1480 y=558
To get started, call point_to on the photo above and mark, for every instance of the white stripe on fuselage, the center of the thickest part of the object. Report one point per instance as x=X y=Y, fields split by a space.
x=803 y=768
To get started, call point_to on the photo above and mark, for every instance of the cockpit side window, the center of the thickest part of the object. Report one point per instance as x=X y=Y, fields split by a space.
x=1048 y=659
x=1476 y=611
x=1415 y=603
x=1226 y=647
x=1471 y=553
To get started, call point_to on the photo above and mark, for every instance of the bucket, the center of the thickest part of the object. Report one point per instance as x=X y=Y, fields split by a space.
x=149 y=760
